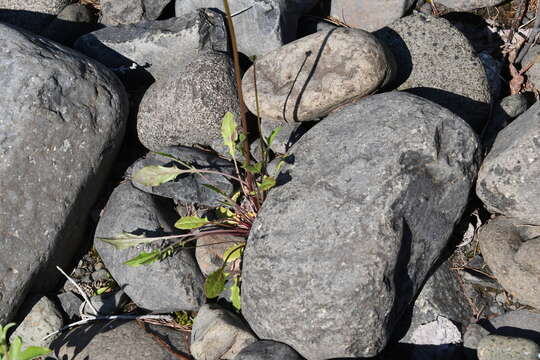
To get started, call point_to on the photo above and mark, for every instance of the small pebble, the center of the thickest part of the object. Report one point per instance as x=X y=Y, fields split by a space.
x=495 y=347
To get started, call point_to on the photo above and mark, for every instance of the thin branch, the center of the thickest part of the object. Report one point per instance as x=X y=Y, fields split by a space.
x=83 y=294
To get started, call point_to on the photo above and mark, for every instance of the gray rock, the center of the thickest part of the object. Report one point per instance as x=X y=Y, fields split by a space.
x=495 y=347
x=369 y=15
x=119 y=340
x=513 y=260
x=268 y=350
x=71 y=304
x=42 y=320
x=467 y=5
x=100 y=275
x=531 y=59
x=62 y=122
x=493 y=69
x=437 y=62
x=218 y=334
x=189 y=189
x=509 y=181
x=438 y=332
x=116 y=12
x=375 y=199
x=264 y=26
x=106 y=304
x=155 y=47
x=72 y=22
x=286 y=137
x=33 y=15
x=188 y=108
x=316 y=74
x=210 y=250
x=172 y=284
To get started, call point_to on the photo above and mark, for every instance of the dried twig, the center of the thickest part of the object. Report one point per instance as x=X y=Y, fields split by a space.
x=83 y=294
x=532 y=37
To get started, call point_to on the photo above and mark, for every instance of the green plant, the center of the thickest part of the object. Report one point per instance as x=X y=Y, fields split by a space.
x=13 y=350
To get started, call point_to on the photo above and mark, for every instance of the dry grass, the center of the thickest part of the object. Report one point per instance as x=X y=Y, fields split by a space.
x=93 y=3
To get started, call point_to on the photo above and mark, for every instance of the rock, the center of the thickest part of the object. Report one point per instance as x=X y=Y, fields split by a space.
x=411 y=184
x=42 y=320
x=188 y=108
x=439 y=332
x=62 y=122
x=494 y=347
x=116 y=12
x=71 y=304
x=437 y=62
x=369 y=15
x=508 y=181
x=533 y=73
x=493 y=69
x=265 y=25
x=73 y=21
x=267 y=350
x=106 y=304
x=173 y=284
x=210 y=250
x=513 y=259
x=119 y=340
x=467 y=5
x=189 y=189
x=100 y=275
x=286 y=137
x=218 y=334
x=303 y=80
x=32 y=15
x=155 y=47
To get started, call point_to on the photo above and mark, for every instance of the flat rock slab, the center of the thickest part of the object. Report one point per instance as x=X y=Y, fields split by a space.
x=437 y=62
x=62 y=122
x=369 y=15
x=340 y=250
x=310 y=77
x=509 y=179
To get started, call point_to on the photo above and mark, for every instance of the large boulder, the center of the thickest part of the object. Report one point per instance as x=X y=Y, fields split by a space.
x=369 y=15
x=62 y=122
x=509 y=179
x=33 y=15
x=437 y=62
x=310 y=77
x=260 y=25
x=340 y=250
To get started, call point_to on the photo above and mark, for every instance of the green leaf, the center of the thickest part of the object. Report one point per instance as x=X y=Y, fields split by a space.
x=156 y=175
x=272 y=136
x=102 y=290
x=3 y=332
x=215 y=189
x=229 y=133
x=267 y=183
x=32 y=352
x=254 y=169
x=214 y=284
x=190 y=222
x=224 y=212
x=279 y=166
x=14 y=352
x=144 y=258
x=126 y=240
x=235 y=294
x=234 y=252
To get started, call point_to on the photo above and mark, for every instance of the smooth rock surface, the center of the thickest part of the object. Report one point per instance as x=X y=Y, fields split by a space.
x=513 y=259
x=314 y=75
x=267 y=350
x=495 y=347
x=188 y=108
x=218 y=334
x=173 y=284
x=438 y=332
x=467 y=5
x=265 y=25
x=116 y=12
x=437 y=62
x=370 y=196
x=509 y=179
x=369 y=15
x=71 y=304
x=62 y=122
x=188 y=189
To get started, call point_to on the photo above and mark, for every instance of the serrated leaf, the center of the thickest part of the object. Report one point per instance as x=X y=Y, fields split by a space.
x=156 y=175
x=234 y=252
x=272 y=136
x=254 y=169
x=32 y=352
x=235 y=294
x=214 y=284
x=190 y=222
x=126 y=240
x=267 y=183
x=229 y=133
x=144 y=258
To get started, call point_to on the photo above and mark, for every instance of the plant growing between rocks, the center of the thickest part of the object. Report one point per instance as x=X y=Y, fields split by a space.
x=13 y=350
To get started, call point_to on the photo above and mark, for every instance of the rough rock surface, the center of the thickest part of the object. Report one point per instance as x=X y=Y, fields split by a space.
x=172 y=284
x=310 y=77
x=210 y=250
x=533 y=74
x=369 y=15
x=33 y=15
x=268 y=350
x=265 y=25
x=188 y=189
x=218 y=334
x=61 y=124
x=119 y=340
x=73 y=21
x=116 y=12
x=156 y=47
x=513 y=259
x=509 y=179
x=437 y=62
x=371 y=202
x=467 y=5
x=496 y=347
x=287 y=136
x=188 y=108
